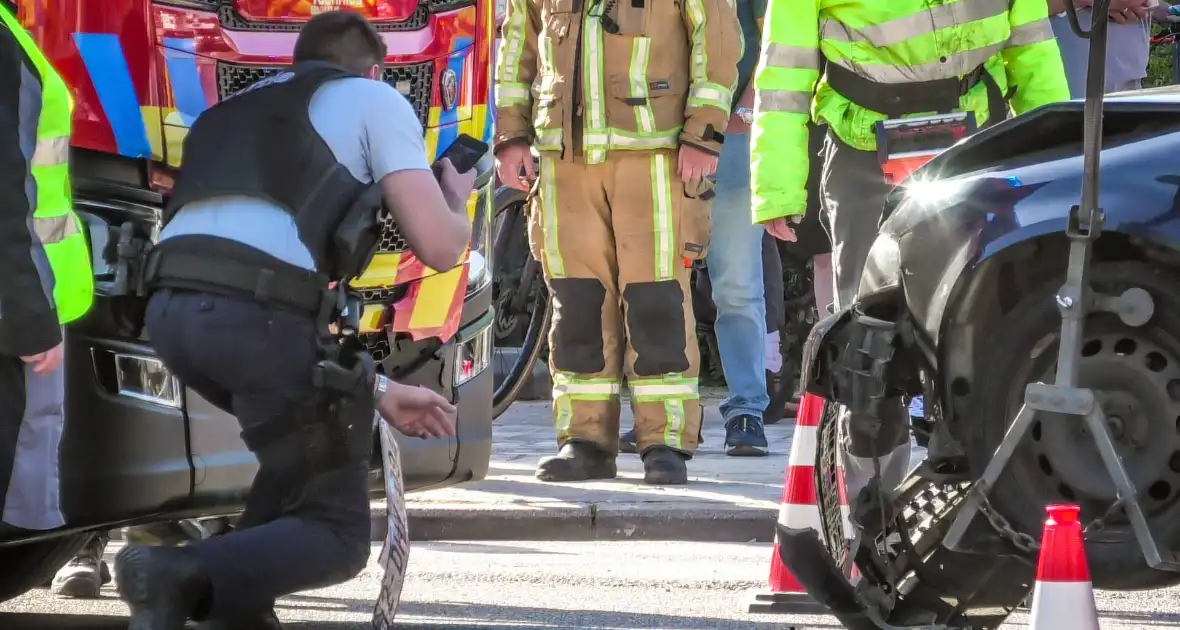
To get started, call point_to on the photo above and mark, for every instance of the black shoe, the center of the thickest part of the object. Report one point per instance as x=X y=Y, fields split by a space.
x=745 y=437
x=85 y=575
x=664 y=466
x=627 y=442
x=577 y=461
x=262 y=621
x=163 y=586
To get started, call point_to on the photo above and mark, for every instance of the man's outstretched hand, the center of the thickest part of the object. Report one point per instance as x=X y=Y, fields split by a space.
x=693 y=164
x=514 y=165
x=417 y=411
x=46 y=362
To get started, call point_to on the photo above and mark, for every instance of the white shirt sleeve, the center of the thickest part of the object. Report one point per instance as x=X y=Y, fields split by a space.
x=393 y=135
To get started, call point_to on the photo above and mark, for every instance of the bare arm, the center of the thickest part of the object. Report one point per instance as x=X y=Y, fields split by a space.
x=436 y=230
x=432 y=219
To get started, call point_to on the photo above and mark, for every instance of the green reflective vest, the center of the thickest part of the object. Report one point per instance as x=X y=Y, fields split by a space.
x=891 y=42
x=54 y=220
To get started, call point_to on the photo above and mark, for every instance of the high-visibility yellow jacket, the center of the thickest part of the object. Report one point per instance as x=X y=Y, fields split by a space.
x=36 y=204
x=888 y=42
x=585 y=77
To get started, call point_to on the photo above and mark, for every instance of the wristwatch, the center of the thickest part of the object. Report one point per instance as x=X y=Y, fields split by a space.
x=745 y=113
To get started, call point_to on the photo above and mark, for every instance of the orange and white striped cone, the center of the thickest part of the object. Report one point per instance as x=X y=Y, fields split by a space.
x=797 y=510
x=1063 y=596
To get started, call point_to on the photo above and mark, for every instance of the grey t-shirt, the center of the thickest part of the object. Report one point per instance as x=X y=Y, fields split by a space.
x=372 y=130
x=1126 y=53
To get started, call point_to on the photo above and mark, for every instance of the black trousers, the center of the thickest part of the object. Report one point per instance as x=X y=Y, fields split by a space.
x=299 y=530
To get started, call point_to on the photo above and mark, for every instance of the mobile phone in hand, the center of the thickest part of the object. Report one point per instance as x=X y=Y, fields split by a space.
x=465 y=152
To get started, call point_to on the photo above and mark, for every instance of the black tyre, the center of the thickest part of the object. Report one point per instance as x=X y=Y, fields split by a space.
x=26 y=567
x=1137 y=374
x=523 y=307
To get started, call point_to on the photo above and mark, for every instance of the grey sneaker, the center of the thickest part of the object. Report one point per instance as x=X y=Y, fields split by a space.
x=85 y=575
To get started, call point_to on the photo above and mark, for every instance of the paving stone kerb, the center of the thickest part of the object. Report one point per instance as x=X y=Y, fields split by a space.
x=727 y=499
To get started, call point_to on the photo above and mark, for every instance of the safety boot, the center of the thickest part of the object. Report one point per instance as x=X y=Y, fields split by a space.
x=577 y=461
x=267 y=620
x=163 y=586
x=664 y=466
x=85 y=575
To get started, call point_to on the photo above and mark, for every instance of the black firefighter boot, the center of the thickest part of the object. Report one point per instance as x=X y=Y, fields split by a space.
x=262 y=621
x=577 y=461
x=163 y=586
x=664 y=466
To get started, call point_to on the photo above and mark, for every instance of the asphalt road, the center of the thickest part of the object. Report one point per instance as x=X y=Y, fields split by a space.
x=539 y=586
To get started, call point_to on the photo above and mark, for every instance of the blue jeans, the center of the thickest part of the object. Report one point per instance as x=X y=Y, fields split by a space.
x=735 y=271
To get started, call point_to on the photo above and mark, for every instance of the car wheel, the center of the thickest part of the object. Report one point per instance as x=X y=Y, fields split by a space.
x=1136 y=373
x=31 y=565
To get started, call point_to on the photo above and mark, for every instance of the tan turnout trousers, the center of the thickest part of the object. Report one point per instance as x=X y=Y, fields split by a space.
x=615 y=241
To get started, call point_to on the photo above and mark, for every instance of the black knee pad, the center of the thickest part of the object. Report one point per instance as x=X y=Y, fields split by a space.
x=655 y=324
x=577 y=325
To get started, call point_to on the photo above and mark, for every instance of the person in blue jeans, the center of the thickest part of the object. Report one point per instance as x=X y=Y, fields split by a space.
x=735 y=263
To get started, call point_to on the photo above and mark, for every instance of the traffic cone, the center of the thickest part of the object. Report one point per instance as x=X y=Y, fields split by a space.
x=1063 y=596
x=797 y=510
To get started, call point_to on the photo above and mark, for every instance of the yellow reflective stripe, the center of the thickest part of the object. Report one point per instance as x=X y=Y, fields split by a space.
x=782 y=101
x=664 y=391
x=1030 y=33
x=711 y=95
x=576 y=390
x=51 y=151
x=674 y=423
x=645 y=120
x=548 y=140
x=54 y=229
x=954 y=66
x=661 y=193
x=619 y=139
x=508 y=93
x=697 y=17
x=784 y=56
x=549 y=217
x=593 y=72
x=563 y=413
x=916 y=24
x=512 y=48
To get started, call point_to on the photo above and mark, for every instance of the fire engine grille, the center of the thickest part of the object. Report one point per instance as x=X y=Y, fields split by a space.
x=233 y=20
x=413 y=81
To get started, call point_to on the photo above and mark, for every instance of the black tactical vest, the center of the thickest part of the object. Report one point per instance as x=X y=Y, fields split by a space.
x=261 y=143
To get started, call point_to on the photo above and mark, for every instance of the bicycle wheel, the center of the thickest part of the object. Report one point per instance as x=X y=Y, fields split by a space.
x=523 y=308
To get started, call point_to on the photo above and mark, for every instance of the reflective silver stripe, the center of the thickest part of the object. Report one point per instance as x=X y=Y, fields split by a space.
x=1030 y=33
x=923 y=22
x=586 y=389
x=784 y=56
x=512 y=92
x=51 y=151
x=713 y=95
x=955 y=65
x=54 y=229
x=782 y=101
x=613 y=140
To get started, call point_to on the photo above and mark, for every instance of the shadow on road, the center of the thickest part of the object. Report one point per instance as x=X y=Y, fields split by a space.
x=37 y=621
x=468 y=616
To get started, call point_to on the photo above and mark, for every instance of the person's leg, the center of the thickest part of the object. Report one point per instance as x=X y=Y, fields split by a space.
x=306 y=523
x=735 y=271
x=86 y=573
x=853 y=194
x=655 y=229
x=569 y=232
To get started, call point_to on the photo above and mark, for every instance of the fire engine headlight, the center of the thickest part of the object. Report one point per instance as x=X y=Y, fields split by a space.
x=473 y=356
x=479 y=259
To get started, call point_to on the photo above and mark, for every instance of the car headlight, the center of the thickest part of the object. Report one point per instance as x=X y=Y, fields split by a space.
x=883 y=266
x=479 y=259
x=474 y=355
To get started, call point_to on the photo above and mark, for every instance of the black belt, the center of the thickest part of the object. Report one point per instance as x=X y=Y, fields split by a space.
x=287 y=286
x=900 y=99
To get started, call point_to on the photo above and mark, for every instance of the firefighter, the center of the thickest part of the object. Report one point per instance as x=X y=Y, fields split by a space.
x=47 y=279
x=626 y=103
x=248 y=280
x=884 y=59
